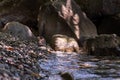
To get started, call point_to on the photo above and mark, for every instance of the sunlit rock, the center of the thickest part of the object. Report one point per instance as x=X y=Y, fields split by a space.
x=67 y=76
x=64 y=43
x=76 y=19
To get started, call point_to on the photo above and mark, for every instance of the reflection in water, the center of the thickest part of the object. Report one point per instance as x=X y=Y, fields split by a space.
x=81 y=67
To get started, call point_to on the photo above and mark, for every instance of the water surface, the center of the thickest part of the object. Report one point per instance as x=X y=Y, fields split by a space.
x=80 y=67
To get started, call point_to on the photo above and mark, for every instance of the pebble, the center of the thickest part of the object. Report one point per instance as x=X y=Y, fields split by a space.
x=18 y=59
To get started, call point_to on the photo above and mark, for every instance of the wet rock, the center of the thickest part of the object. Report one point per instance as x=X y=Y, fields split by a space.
x=64 y=43
x=106 y=45
x=67 y=76
x=103 y=14
x=19 y=30
x=59 y=42
x=77 y=19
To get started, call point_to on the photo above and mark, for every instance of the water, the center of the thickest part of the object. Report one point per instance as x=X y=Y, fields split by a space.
x=81 y=67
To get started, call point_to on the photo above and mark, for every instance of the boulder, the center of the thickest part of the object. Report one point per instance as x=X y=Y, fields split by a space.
x=103 y=14
x=76 y=19
x=64 y=43
x=64 y=17
x=50 y=23
x=103 y=45
x=19 y=30
x=23 y=11
x=110 y=25
x=96 y=8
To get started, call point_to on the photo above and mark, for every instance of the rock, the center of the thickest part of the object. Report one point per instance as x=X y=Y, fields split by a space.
x=50 y=24
x=41 y=41
x=103 y=45
x=65 y=18
x=59 y=42
x=103 y=14
x=23 y=11
x=100 y=7
x=72 y=45
x=110 y=25
x=111 y=7
x=64 y=43
x=75 y=18
x=67 y=76
x=19 y=30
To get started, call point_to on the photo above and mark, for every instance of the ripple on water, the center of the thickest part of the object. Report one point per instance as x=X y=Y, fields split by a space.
x=59 y=63
x=72 y=62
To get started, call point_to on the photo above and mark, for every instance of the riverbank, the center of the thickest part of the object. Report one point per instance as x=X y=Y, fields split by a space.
x=26 y=60
x=19 y=59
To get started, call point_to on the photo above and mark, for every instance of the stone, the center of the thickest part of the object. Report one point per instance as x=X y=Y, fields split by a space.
x=49 y=24
x=104 y=14
x=65 y=18
x=72 y=45
x=103 y=45
x=64 y=43
x=110 y=25
x=19 y=30
x=100 y=7
x=76 y=19
x=59 y=42
x=67 y=76
x=41 y=41
x=23 y=11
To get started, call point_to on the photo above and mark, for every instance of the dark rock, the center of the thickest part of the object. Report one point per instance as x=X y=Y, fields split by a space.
x=100 y=7
x=98 y=11
x=75 y=18
x=24 y=11
x=111 y=7
x=19 y=30
x=110 y=25
x=103 y=45
x=67 y=76
x=65 y=18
